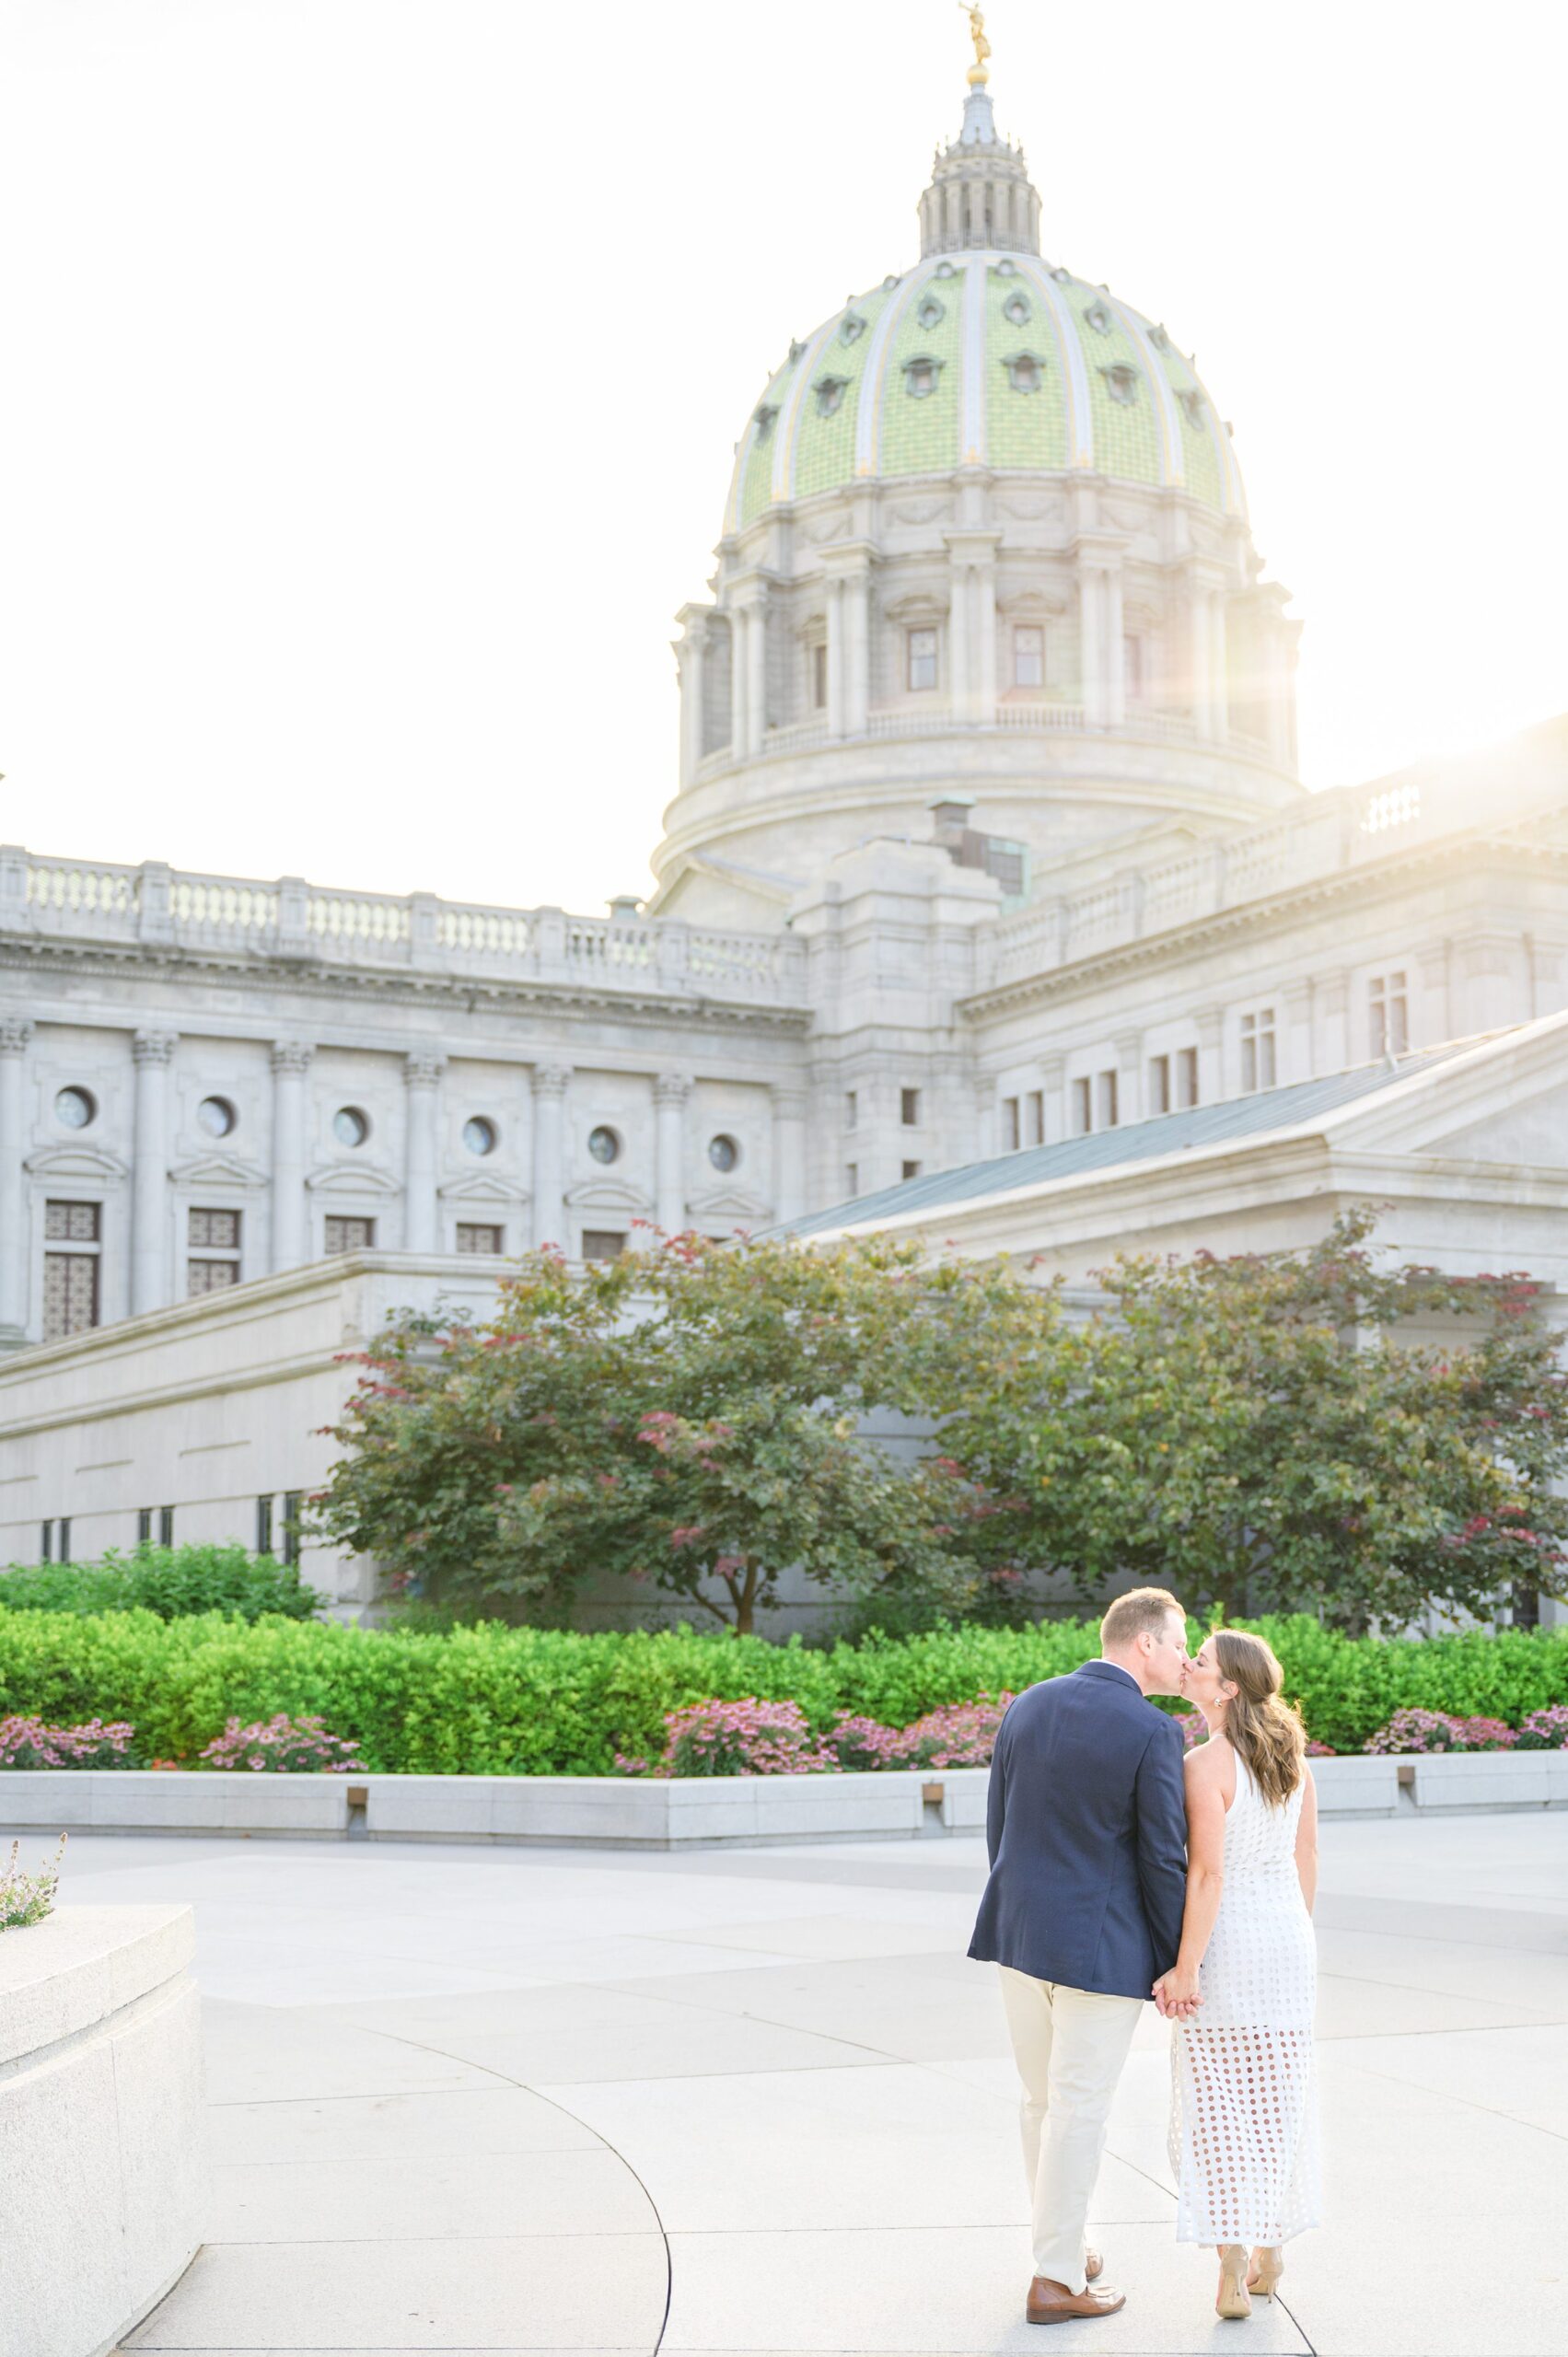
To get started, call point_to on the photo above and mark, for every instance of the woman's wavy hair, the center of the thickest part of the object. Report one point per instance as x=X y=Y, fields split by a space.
x=1262 y=1729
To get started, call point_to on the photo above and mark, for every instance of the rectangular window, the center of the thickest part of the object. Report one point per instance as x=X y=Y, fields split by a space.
x=1258 y=1050
x=1186 y=1078
x=852 y=1178
x=166 y=1526
x=72 y=1222
x=1012 y=1136
x=1160 y=1084
x=144 y=1525
x=1105 y=1108
x=70 y=1294
x=1132 y=668
x=603 y=1243
x=210 y=1276
x=1028 y=655
x=922 y=645
x=909 y=1107
x=475 y=1236
x=70 y=1275
x=46 y=1542
x=263 y=1525
x=1035 y=1106
x=1391 y=1013
x=819 y=678
x=348 y=1235
x=291 y=1503
x=852 y=1108
x=65 y=1538
x=1083 y=1109
x=214 y=1231
x=911 y=1170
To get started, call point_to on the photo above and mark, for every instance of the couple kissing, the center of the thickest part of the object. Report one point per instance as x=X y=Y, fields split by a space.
x=1124 y=1870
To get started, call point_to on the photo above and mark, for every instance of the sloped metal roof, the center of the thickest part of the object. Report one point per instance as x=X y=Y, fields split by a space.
x=1201 y=1125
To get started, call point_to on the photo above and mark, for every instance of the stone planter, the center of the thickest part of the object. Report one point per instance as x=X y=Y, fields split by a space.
x=648 y=1813
x=102 y=2131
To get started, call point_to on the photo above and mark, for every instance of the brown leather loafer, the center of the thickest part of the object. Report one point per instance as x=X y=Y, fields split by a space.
x=1051 y=2303
x=1094 y=2266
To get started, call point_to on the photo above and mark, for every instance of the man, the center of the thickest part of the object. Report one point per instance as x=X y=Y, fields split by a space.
x=1086 y=1829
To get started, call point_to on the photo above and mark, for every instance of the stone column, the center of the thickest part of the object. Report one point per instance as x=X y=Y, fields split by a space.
x=958 y=639
x=1054 y=1085
x=857 y=654
x=15 y=1241
x=1114 y=624
x=152 y=1052
x=1219 y=667
x=1091 y=643
x=422 y=1075
x=838 y=667
x=1295 y=1047
x=757 y=675
x=1129 y=1046
x=1330 y=1002
x=291 y=1061
x=739 y=673
x=1200 y=660
x=672 y=1092
x=1432 y=1017
x=1211 y=1056
x=985 y=686
x=550 y=1085
x=690 y=652
x=789 y=1152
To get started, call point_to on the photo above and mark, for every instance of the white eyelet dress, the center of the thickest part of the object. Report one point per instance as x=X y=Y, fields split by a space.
x=1244 y=2095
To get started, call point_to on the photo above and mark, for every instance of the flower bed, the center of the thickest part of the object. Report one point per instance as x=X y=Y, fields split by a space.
x=492 y=1701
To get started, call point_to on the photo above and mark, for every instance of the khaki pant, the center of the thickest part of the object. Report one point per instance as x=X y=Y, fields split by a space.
x=1070 y=2046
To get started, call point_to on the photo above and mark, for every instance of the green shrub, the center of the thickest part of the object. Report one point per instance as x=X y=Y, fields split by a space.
x=498 y=1701
x=169 y=1581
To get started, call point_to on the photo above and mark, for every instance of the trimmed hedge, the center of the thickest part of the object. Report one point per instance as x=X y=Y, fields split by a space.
x=169 y=1581
x=494 y=1700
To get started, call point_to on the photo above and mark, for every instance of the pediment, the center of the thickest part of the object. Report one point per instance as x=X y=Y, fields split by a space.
x=482 y=1187
x=729 y=1202
x=353 y=1178
x=1503 y=1101
x=76 y=1161
x=1533 y=1131
x=218 y=1170
x=609 y=1195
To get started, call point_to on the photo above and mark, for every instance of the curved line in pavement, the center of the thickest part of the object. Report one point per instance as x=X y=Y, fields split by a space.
x=526 y=2086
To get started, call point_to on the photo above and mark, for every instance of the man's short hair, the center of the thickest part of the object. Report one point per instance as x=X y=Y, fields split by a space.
x=1140 y=1609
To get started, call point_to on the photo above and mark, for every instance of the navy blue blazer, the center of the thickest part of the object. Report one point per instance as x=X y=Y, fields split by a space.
x=1086 y=1827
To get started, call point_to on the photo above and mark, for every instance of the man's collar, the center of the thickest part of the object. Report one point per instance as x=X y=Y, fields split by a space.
x=1112 y=1669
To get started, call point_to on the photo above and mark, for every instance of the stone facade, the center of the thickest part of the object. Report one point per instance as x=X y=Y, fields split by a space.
x=988 y=835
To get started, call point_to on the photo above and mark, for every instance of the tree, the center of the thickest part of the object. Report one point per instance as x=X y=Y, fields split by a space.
x=1275 y=1432
x=686 y=1416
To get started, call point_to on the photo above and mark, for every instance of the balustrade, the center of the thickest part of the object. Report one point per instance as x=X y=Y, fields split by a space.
x=92 y=901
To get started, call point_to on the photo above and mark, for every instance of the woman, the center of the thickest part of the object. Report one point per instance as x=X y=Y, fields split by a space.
x=1244 y=2110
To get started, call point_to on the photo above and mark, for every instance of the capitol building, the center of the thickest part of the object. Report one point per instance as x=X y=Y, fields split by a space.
x=989 y=906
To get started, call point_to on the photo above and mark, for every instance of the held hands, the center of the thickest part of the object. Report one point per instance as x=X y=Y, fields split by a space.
x=1176 y=1993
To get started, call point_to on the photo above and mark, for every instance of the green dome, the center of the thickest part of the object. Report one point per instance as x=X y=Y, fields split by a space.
x=984 y=358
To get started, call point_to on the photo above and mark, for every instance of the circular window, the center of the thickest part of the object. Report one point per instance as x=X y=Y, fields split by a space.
x=479 y=1135
x=350 y=1126
x=217 y=1116
x=604 y=1146
x=74 y=1107
x=723 y=1152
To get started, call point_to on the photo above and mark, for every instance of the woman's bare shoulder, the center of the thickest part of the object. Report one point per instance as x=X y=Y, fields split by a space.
x=1211 y=1767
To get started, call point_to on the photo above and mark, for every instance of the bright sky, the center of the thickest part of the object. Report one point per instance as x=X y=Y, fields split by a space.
x=371 y=369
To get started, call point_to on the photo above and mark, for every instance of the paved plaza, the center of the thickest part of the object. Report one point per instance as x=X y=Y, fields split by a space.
x=481 y=2100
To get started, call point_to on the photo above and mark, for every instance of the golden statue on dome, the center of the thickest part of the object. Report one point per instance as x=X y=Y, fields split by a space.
x=978 y=75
